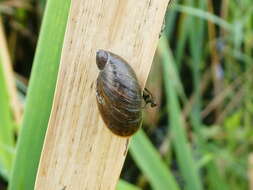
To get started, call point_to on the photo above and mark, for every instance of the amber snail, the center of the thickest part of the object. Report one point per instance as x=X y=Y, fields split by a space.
x=119 y=95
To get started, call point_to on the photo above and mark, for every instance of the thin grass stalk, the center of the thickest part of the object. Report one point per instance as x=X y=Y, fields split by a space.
x=204 y=15
x=215 y=59
x=196 y=47
x=6 y=127
x=187 y=165
x=9 y=76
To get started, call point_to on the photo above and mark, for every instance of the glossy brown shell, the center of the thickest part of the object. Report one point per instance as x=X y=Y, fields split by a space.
x=119 y=96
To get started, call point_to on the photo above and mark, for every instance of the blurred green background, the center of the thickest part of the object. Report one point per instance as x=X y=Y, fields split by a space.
x=200 y=134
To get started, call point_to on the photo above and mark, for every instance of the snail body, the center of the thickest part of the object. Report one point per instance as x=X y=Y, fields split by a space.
x=118 y=94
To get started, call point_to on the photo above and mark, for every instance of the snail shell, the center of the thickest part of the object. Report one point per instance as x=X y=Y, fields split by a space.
x=118 y=93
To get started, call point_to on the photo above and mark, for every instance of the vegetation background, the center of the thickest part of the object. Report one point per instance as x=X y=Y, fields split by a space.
x=200 y=134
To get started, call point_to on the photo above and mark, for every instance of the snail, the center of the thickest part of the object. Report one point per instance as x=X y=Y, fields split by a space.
x=119 y=95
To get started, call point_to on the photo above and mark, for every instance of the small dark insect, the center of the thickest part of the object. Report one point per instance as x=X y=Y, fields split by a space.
x=119 y=95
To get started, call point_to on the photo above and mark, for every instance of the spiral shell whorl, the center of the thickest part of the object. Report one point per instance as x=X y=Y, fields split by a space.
x=118 y=94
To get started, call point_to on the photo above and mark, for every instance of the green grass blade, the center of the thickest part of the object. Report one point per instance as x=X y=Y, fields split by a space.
x=149 y=161
x=182 y=39
x=40 y=95
x=123 y=185
x=215 y=180
x=196 y=39
x=170 y=19
x=204 y=15
x=184 y=156
x=6 y=128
